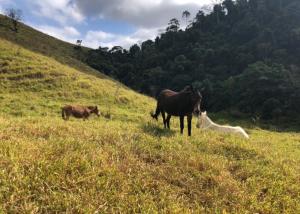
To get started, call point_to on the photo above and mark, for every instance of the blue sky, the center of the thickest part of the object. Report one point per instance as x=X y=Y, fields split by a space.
x=103 y=23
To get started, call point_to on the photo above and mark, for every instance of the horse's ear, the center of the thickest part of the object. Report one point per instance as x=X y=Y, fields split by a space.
x=192 y=88
x=96 y=107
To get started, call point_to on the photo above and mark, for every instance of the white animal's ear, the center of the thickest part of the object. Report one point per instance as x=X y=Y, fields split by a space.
x=204 y=112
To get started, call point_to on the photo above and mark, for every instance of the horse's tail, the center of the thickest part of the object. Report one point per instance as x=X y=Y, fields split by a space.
x=157 y=112
x=63 y=114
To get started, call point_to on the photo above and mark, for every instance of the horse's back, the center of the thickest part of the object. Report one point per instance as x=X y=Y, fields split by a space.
x=174 y=103
x=167 y=93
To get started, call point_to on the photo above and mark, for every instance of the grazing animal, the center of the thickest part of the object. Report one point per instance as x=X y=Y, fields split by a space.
x=79 y=111
x=204 y=122
x=181 y=104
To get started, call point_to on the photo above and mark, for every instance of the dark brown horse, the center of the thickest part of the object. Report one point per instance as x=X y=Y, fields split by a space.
x=79 y=111
x=183 y=103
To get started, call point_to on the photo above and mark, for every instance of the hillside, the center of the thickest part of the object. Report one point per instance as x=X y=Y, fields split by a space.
x=32 y=84
x=126 y=164
x=36 y=41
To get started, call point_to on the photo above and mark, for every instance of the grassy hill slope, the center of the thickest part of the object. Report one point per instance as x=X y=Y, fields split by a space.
x=128 y=163
x=46 y=45
x=32 y=84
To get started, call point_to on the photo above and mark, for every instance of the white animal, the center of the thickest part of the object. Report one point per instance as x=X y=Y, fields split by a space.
x=204 y=122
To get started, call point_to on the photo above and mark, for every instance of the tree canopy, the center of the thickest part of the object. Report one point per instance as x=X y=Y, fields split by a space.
x=244 y=55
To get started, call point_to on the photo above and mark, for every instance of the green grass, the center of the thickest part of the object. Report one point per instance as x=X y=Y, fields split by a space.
x=46 y=45
x=127 y=164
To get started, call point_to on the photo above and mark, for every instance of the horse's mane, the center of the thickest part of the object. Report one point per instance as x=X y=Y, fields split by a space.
x=188 y=88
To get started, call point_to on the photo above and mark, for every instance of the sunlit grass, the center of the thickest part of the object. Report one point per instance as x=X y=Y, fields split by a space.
x=111 y=165
x=128 y=163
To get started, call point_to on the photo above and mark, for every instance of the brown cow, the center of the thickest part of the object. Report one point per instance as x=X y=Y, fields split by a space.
x=79 y=111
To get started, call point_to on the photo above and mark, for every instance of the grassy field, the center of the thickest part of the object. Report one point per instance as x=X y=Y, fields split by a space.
x=128 y=163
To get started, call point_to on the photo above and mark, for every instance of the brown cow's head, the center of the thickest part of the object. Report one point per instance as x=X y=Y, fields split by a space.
x=95 y=110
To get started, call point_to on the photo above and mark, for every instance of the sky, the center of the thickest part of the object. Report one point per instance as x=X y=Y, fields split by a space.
x=104 y=23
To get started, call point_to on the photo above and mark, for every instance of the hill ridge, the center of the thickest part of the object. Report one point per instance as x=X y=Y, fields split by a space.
x=36 y=41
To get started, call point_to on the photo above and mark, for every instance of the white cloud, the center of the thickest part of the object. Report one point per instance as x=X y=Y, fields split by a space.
x=199 y=2
x=94 y=39
x=67 y=33
x=146 y=16
x=62 y=11
x=4 y=4
x=140 y=13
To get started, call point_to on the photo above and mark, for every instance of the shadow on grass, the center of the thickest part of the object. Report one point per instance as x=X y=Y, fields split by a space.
x=276 y=125
x=156 y=130
x=238 y=153
x=281 y=126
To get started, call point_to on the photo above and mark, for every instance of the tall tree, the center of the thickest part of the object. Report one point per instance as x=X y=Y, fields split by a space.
x=217 y=8
x=78 y=44
x=230 y=7
x=173 y=25
x=186 y=14
x=16 y=16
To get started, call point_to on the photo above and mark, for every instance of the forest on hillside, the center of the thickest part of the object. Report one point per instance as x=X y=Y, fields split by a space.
x=244 y=55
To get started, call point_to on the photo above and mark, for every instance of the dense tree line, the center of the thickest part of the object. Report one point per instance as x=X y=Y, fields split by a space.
x=244 y=55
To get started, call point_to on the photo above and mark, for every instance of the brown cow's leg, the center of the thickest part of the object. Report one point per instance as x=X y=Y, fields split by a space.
x=63 y=114
x=67 y=115
x=181 y=124
x=168 y=120
x=189 y=121
x=85 y=115
x=164 y=118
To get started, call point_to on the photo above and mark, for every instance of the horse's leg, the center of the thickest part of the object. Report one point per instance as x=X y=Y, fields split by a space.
x=164 y=118
x=189 y=121
x=157 y=112
x=181 y=124
x=168 y=120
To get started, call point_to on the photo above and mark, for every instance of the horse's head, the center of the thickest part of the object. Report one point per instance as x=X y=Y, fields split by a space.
x=196 y=98
x=187 y=88
x=95 y=110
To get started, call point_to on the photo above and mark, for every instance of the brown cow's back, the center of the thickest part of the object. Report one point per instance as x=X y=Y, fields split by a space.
x=78 y=111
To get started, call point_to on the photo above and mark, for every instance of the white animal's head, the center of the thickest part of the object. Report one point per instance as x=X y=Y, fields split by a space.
x=201 y=119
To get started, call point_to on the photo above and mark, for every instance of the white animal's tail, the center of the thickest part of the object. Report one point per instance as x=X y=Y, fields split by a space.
x=243 y=133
